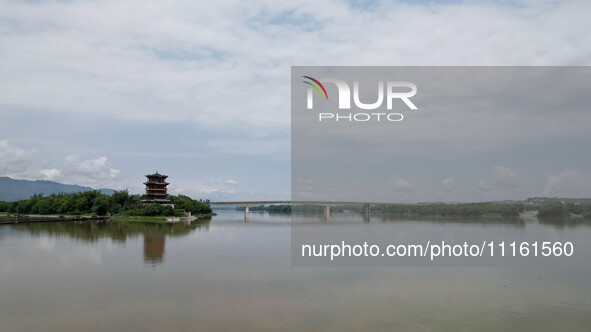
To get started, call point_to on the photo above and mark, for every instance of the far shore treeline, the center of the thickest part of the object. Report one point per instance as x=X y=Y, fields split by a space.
x=96 y=203
x=551 y=209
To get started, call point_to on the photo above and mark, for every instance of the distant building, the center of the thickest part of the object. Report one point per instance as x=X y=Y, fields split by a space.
x=156 y=189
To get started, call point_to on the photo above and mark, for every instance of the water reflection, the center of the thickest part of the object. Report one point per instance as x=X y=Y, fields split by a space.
x=565 y=222
x=154 y=234
x=511 y=222
x=508 y=221
x=154 y=248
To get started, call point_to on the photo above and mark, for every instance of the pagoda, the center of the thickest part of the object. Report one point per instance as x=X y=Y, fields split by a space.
x=156 y=189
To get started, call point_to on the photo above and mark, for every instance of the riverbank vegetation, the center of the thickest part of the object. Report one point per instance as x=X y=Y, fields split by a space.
x=560 y=210
x=440 y=209
x=96 y=203
x=549 y=210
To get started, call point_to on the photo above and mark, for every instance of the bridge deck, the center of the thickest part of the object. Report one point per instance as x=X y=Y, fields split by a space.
x=290 y=202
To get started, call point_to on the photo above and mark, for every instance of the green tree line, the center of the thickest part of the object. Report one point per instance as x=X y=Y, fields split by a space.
x=94 y=202
x=441 y=210
x=452 y=210
x=555 y=209
x=560 y=210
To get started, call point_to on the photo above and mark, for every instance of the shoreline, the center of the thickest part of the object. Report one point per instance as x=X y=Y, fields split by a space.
x=37 y=218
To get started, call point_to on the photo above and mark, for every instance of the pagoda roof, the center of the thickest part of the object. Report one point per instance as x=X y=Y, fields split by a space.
x=157 y=175
x=152 y=182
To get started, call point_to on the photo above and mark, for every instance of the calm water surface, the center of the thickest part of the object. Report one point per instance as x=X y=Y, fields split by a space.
x=226 y=275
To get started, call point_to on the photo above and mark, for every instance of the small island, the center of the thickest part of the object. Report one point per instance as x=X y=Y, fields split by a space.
x=155 y=206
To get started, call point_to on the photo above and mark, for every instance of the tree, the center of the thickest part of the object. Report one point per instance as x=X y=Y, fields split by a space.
x=100 y=205
x=4 y=206
x=587 y=211
x=42 y=207
x=119 y=197
x=574 y=208
x=553 y=210
x=65 y=206
x=188 y=204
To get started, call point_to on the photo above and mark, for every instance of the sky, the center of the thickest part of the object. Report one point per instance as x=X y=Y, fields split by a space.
x=478 y=133
x=102 y=93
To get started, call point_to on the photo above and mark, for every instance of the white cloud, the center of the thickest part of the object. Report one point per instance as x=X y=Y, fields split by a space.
x=20 y=163
x=505 y=177
x=91 y=172
x=208 y=191
x=98 y=168
x=14 y=161
x=449 y=182
x=568 y=183
x=483 y=185
x=217 y=195
x=231 y=182
x=50 y=174
x=250 y=146
x=401 y=184
x=112 y=57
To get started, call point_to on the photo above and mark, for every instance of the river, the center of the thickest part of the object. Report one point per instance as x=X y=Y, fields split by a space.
x=227 y=275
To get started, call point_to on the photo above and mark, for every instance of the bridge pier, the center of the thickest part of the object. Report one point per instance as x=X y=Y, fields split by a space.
x=327 y=212
x=246 y=213
x=366 y=212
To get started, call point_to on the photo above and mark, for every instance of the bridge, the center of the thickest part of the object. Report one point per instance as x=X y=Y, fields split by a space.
x=326 y=205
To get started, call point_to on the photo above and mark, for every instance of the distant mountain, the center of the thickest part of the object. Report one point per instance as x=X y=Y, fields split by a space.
x=546 y=200
x=13 y=190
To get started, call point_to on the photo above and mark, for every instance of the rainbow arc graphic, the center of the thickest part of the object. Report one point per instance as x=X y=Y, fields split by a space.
x=316 y=86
